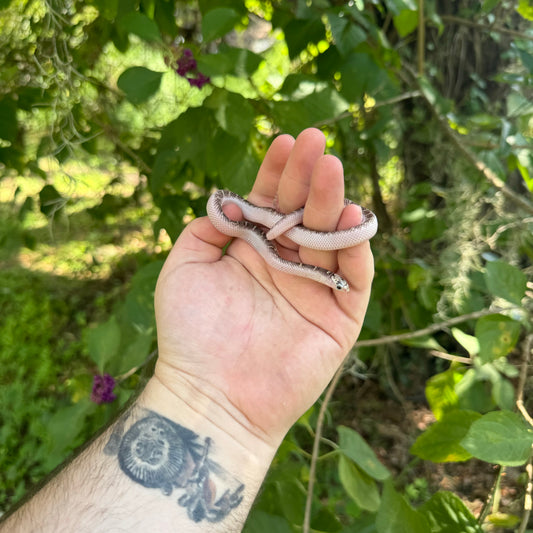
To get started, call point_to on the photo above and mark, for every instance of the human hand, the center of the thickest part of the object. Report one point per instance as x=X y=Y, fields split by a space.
x=259 y=344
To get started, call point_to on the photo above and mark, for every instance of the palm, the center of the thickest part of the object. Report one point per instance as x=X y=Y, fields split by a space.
x=266 y=341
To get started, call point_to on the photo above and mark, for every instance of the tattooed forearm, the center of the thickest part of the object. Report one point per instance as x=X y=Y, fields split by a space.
x=160 y=454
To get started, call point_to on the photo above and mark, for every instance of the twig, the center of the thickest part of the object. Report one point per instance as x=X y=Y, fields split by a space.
x=498 y=29
x=316 y=447
x=389 y=339
x=522 y=379
x=449 y=357
x=487 y=505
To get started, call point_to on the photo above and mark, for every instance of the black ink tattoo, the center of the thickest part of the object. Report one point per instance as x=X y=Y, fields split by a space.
x=160 y=454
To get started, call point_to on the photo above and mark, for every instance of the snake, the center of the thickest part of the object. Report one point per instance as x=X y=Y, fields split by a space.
x=262 y=225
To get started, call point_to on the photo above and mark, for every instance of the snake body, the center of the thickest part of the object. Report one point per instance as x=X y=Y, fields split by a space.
x=290 y=226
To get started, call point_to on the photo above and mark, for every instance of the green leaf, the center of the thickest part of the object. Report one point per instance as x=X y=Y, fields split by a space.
x=50 y=200
x=468 y=342
x=291 y=500
x=448 y=514
x=395 y=515
x=229 y=60
x=506 y=281
x=140 y=25
x=406 y=22
x=499 y=437
x=345 y=33
x=440 y=443
x=300 y=33
x=233 y=112
x=359 y=486
x=503 y=393
x=354 y=446
x=139 y=83
x=103 y=342
x=8 y=120
x=497 y=336
x=261 y=522
x=525 y=9
x=440 y=392
x=217 y=22
x=133 y=355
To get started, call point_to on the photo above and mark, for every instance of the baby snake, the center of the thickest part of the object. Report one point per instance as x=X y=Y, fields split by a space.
x=290 y=226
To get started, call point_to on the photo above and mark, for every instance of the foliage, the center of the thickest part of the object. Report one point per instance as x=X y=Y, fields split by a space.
x=427 y=104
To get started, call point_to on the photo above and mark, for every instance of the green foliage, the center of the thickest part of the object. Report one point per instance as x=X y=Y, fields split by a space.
x=439 y=147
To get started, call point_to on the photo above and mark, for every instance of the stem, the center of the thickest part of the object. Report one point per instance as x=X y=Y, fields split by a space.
x=527 y=499
x=522 y=379
x=316 y=447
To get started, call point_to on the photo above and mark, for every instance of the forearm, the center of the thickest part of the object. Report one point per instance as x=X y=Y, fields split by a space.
x=163 y=466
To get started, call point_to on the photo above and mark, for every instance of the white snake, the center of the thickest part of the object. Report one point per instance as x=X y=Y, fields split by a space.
x=290 y=226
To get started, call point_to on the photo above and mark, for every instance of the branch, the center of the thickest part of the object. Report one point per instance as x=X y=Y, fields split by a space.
x=486 y=27
x=389 y=339
x=316 y=446
x=488 y=173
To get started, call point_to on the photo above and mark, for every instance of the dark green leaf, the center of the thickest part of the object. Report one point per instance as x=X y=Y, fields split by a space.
x=50 y=200
x=499 y=437
x=300 y=33
x=261 y=522
x=345 y=33
x=103 y=342
x=140 y=25
x=229 y=60
x=217 y=22
x=139 y=83
x=360 y=487
x=440 y=443
x=505 y=281
x=448 y=514
x=395 y=515
x=354 y=446
x=8 y=120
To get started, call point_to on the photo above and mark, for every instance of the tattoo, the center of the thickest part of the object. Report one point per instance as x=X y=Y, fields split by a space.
x=160 y=454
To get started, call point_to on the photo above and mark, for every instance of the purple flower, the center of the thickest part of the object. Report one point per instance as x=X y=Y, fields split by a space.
x=199 y=81
x=186 y=63
x=103 y=389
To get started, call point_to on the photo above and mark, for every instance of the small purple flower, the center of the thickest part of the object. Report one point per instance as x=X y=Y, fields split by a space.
x=103 y=389
x=186 y=63
x=199 y=81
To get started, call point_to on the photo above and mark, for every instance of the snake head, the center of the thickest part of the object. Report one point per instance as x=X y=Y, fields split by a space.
x=340 y=284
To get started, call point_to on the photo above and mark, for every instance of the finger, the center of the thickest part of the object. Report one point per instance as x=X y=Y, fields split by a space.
x=324 y=207
x=265 y=187
x=296 y=177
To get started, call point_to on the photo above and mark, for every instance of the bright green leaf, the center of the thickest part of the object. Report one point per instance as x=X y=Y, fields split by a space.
x=525 y=8
x=354 y=446
x=395 y=515
x=406 y=22
x=448 y=514
x=500 y=437
x=497 y=336
x=505 y=281
x=139 y=83
x=468 y=342
x=103 y=342
x=360 y=487
x=440 y=443
x=440 y=392
x=217 y=22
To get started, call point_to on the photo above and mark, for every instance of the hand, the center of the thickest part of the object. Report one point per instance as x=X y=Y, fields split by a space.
x=259 y=344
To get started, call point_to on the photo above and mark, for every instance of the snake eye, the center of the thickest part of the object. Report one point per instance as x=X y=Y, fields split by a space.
x=339 y=286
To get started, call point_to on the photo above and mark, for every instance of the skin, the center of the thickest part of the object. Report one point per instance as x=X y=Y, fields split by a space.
x=244 y=351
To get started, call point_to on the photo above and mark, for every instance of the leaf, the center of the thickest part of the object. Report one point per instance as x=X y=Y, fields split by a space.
x=133 y=355
x=229 y=60
x=499 y=437
x=359 y=486
x=497 y=336
x=525 y=9
x=300 y=33
x=103 y=342
x=448 y=514
x=506 y=281
x=406 y=22
x=395 y=515
x=440 y=392
x=139 y=24
x=139 y=84
x=217 y=22
x=354 y=446
x=261 y=522
x=345 y=33
x=8 y=120
x=440 y=443
x=468 y=342
x=233 y=112
x=291 y=500
x=50 y=200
